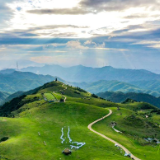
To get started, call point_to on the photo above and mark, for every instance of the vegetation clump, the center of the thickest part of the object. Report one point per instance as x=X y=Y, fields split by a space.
x=128 y=100
x=4 y=139
x=94 y=96
x=81 y=90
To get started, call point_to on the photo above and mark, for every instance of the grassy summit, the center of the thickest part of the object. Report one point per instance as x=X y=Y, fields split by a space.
x=32 y=126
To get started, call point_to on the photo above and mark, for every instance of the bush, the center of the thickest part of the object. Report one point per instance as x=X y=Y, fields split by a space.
x=95 y=96
x=4 y=139
x=81 y=90
x=158 y=112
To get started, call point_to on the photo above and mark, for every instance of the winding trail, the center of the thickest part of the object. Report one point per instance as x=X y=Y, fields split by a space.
x=65 y=98
x=109 y=139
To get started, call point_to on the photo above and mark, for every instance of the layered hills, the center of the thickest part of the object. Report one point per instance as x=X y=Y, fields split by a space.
x=119 y=97
x=3 y=96
x=12 y=81
x=116 y=86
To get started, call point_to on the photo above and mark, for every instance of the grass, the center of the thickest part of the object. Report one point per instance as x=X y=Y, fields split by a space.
x=57 y=96
x=25 y=144
x=132 y=135
x=49 y=96
x=38 y=116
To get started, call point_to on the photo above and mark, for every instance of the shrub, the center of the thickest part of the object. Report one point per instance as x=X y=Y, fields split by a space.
x=95 y=96
x=4 y=139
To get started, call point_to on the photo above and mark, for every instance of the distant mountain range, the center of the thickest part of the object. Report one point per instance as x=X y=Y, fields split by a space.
x=87 y=74
x=149 y=87
x=153 y=85
x=97 y=80
x=12 y=81
x=119 y=97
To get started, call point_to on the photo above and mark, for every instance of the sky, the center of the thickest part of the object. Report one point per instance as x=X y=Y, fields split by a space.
x=95 y=33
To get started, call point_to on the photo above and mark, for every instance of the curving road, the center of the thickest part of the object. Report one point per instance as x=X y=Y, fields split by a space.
x=111 y=140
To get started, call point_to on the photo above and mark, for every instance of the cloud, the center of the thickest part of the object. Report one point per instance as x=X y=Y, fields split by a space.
x=89 y=42
x=5 y=13
x=87 y=45
x=62 y=11
x=118 y=5
x=49 y=30
x=91 y=45
x=136 y=16
x=75 y=45
x=149 y=43
x=56 y=26
x=55 y=51
x=95 y=6
x=94 y=45
x=126 y=30
x=156 y=46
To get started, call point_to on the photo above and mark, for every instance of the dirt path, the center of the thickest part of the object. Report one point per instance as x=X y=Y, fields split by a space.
x=65 y=98
x=111 y=140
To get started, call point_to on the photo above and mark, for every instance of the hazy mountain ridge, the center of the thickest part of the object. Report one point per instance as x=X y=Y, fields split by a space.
x=103 y=86
x=87 y=74
x=22 y=81
x=3 y=96
x=119 y=97
x=153 y=85
x=13 y=81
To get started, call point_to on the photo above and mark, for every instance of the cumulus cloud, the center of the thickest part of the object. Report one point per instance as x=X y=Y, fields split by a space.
x=95 y=45
x=89 y=42
x=75 y=45
x=87 y=45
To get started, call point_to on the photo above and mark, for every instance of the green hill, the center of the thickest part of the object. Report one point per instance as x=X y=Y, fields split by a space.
x=32 y=126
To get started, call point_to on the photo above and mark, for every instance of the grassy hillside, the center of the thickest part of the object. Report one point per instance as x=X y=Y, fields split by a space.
x=33 y=126
x=134 y=128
